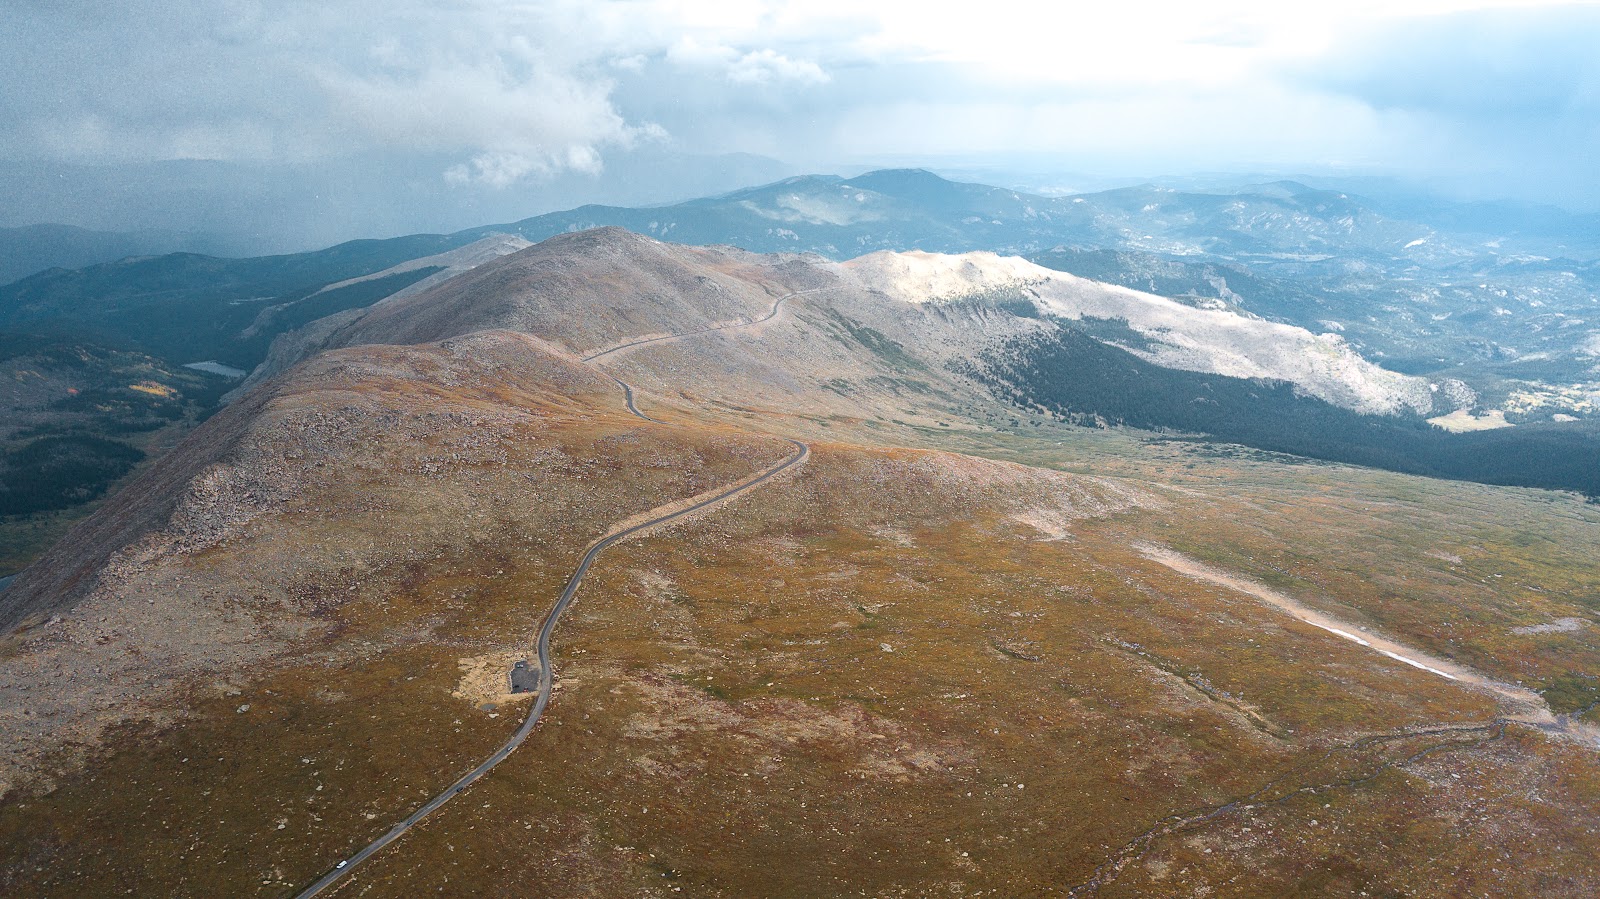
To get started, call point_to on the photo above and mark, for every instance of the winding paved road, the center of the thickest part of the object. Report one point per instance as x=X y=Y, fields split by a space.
x=567 y=595
x=627 y=396
x=771 y=314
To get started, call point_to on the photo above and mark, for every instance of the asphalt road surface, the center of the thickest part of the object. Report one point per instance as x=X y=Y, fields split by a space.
x=801 y=451
x=765 y=318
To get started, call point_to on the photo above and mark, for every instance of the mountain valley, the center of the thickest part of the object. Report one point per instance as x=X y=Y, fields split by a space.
x=1495 y=332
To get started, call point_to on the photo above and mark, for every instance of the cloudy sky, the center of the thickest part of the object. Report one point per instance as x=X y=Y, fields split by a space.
x=484 y=98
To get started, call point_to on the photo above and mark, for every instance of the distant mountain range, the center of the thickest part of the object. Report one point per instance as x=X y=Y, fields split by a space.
x=916 y=209
x=1447 y=283
x=34 y=248
x=1503 y=321
x=893 y=337
x=244 y=209
x=1508 y=291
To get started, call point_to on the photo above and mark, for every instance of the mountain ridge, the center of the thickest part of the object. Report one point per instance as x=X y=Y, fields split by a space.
x=961 y=600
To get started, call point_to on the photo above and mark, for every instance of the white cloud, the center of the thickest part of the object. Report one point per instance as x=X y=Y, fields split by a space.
x=503 y=168
x=766 y=66
x=1204 y=128
x=479 y=104
x=522 y=89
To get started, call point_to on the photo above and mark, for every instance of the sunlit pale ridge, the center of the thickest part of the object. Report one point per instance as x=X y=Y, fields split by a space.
x=1174 y=335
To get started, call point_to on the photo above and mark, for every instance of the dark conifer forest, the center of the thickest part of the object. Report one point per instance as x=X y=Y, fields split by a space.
x=1073 y=375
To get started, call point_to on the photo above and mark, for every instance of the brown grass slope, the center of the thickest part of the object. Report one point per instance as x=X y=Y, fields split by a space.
x=147 y=623
x=837 y=349
x=53 y=584
x=589 y=290
x=221 y=556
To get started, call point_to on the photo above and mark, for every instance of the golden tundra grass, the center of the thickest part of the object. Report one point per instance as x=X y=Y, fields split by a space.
x=849 y=682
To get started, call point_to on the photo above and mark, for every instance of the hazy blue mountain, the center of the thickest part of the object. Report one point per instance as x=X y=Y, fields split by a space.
x=1419 y=285
x=1276 y=223
x=33 y=248
x=837 y=217
x=1422 y=284
x=187 y=307
x=256 y=209
x=1538 y=227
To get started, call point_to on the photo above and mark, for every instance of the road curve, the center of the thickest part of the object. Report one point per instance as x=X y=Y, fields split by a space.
x=567 y=595
x=772 y=313
x=627 y=396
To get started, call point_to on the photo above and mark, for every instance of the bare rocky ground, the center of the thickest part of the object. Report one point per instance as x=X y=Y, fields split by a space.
x=932 y=661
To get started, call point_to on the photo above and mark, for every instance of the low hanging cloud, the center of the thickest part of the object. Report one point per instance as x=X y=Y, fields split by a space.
x=516 y=90
x=764 y=66
x=495 y=93
x=516 y=120
x=1509 y=97
x=1476 y=66
x=518 y=104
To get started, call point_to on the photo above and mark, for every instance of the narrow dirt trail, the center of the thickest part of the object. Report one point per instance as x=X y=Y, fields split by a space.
x=1523 y=705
